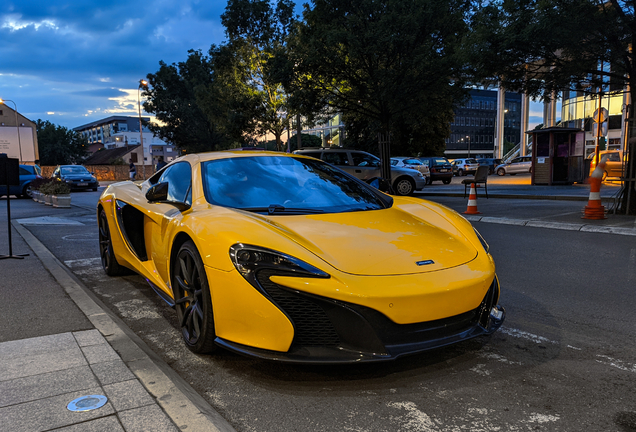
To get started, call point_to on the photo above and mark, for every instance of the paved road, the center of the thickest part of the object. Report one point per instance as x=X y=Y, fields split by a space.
x=563 y=361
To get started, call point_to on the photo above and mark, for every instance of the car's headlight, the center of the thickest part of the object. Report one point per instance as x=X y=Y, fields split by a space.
x=482 y=241
x=419 y=174
x=249 y=259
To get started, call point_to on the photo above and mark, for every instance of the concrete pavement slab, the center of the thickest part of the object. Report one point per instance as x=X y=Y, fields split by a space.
x=112 y=372
x=144 y=419
x=30 y=388
x=18 y=367
x=105 y=424
x=49 y=413
x=127 y=395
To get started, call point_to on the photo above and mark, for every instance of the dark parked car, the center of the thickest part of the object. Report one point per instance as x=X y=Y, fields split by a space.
x=440 y=167
x=76 y=176
x=28 y=173
x=491 y=162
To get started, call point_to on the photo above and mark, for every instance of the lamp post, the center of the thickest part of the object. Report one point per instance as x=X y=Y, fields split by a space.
x=468 y=137
x=17 y=125
x=144 y=84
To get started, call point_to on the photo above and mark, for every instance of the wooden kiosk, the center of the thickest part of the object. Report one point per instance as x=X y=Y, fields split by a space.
x=558 y=156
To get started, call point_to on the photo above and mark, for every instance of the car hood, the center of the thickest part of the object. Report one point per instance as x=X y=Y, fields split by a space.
x=377 y=242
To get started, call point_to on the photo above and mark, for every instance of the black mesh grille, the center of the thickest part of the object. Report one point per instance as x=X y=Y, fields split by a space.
x=311 y=324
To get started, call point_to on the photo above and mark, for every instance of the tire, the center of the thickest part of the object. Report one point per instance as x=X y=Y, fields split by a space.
x=404 y=186
x=192 y=300
x=460 y=173
x=26 y=191
x=513 y=173
x=501 y=172
x=446 y=181
x=106 y=253
x=94 y=189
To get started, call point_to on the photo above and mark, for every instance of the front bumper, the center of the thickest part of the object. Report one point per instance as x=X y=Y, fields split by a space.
x=333 y=331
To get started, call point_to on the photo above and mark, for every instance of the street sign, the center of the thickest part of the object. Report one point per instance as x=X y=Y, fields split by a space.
x=604 y=115
x=604 y=129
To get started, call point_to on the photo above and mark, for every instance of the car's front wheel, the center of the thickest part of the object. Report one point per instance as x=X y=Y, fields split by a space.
x=501 y=172
x=404 y=186
x=460 y=173
x=192 y=300
x=446 y=181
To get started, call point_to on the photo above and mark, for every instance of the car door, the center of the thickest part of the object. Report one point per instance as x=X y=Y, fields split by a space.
x=613 y=164
x=515 y=166
x=167 y=217
x=364 y=165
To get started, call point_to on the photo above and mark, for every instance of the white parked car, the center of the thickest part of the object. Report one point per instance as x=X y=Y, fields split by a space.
x=521 y=164
x=413 y=163
x=462 y=167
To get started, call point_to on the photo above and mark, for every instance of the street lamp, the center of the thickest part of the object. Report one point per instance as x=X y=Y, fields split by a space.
x=468 y=137
x=144 y=84
x=17 y=126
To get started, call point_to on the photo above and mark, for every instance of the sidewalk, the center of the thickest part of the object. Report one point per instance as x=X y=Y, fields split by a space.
x=58 y=343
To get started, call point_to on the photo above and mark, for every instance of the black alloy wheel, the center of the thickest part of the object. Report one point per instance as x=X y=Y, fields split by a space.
x=192 y=300
x=106 y=253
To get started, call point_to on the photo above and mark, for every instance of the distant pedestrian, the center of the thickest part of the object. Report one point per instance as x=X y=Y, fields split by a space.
x=133 y=170
x=161 y=163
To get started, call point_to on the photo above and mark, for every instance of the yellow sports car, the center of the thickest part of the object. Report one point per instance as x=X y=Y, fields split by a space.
x=285 y=257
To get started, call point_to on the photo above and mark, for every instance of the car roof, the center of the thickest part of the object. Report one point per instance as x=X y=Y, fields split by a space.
x=227 y=154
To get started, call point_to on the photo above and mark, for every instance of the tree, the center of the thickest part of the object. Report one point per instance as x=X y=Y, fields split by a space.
x=58 y=145
x=175 y=96
x=257 y=31
x=389 y=66
x=546 y=46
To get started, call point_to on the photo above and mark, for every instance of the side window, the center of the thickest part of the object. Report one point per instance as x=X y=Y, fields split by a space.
x=516 y=160
x=394 y=162
x=312 y=154
x=179 y=178
x=24 y=172
x=412 y=162
x=614 y=157
x=365 y=160
x=335 y=158
x=426 y=162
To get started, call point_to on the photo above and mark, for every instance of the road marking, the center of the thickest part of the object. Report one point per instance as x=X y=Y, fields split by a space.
x=618 y=364
x=525 y=335
x=77 y=237
x=85 y=262
x=47 y=220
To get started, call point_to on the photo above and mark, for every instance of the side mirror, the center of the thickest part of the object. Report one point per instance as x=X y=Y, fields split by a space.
x=159 y=194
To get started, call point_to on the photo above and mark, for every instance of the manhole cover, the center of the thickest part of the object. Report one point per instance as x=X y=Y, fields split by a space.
x=87 y=403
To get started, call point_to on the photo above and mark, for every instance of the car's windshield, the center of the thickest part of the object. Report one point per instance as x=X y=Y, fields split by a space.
x=286 y=184
x=74 y=170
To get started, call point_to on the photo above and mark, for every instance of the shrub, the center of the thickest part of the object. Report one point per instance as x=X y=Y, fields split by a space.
x=55 y=188
x=37 y=183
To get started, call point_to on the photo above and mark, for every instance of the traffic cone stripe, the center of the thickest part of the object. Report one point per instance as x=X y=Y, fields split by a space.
x=472 y=201
x=595 y=196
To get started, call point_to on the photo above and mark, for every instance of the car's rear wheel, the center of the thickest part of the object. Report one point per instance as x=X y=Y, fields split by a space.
x=109 y=262
x=446 y=181
x=460 y=173
x=501 y=172
x=192 y=300
x=404 y=186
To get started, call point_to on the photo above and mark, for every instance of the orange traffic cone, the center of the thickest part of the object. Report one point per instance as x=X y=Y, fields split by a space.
x=472 y=201
x=594 y=208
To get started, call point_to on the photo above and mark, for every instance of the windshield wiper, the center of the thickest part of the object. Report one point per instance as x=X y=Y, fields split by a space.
x=277 y=208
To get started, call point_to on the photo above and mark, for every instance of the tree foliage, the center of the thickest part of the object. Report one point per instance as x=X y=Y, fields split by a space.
x=257 y=31
x=58 y=145
x=185 y=120
x=389 y=66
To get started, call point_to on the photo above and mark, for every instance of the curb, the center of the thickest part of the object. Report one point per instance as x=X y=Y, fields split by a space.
x=181 y=403
x=555 y=225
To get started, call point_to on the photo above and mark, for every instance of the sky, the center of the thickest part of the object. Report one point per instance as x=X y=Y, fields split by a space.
x=74 y=62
